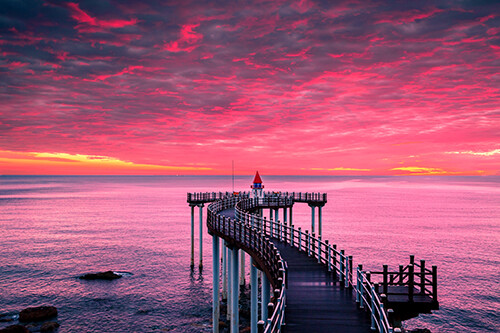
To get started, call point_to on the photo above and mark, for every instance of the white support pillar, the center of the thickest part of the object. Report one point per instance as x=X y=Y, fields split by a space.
x=242 y=268
x=215 y=284
x=320 y=222
x=224 y=270
x=265 y=297
x=235 y=288
x=229 y=279
x=277 y=214
x=254 y=317
x=192 y=236
x=201 y=235
x=312 y=219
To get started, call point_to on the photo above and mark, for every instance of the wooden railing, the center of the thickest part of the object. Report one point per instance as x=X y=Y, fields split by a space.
x=253 y=241
x=201 y=197
x=416 y=278
x=299 y=196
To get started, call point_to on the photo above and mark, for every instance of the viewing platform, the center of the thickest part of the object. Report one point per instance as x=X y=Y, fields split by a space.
x=300 y=282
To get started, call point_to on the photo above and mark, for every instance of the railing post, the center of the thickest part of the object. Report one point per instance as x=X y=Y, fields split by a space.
x=434 y=283
x=308 y=237
x=300 y=239
x=401 y=272
x=372 y=299
x=319 y=248
x=358 y=278
x=292 y=235
x=280 y=227
x=361 y=289
x=341 y=262
x=350 y=272
x=411 y=282
x=422 y=277
x=385 y=279
x=346 y=281
x=334 y=259
x=329 y=256
x=380 y=317
x=261 y=326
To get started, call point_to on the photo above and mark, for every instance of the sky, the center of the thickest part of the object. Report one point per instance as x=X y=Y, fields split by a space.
x=283 y=87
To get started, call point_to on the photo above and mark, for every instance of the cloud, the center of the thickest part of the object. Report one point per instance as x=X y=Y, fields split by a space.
x=88 y=23
x=477 y=153
x=57 y=161
x=421 y=170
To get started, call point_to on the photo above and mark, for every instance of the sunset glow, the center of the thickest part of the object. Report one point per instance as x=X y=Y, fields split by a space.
x=285 y=87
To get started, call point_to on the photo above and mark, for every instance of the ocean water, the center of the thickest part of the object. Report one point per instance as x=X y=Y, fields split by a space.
x=55 y=228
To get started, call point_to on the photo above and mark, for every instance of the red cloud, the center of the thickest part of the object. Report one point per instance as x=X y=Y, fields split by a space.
x=187 y=39
x=92 y=24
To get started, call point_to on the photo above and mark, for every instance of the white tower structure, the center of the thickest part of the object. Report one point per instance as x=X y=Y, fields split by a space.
x=257 y=186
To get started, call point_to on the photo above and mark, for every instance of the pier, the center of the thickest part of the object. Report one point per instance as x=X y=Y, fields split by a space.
x=300 y=282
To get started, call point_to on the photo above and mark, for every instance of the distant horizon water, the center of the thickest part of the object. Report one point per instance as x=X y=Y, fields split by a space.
x=55 y=228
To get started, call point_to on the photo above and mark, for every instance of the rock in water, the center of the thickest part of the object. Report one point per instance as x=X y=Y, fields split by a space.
x=49 y=326
x=109 y=275
x=37 y=313
x=15 y=329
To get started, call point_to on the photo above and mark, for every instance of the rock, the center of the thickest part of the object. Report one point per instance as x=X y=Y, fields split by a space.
x=109 y=275
x=14 y=329
x=49 y=326
x=222 y=324
x=37 y=313
x=245 y=330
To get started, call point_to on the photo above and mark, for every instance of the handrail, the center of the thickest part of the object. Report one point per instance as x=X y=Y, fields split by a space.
x=325 y=253
x=198 y=197
x=310 y=197
x=258 y=245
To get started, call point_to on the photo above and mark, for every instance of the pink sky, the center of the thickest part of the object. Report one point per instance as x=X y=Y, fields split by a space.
x=285 y=87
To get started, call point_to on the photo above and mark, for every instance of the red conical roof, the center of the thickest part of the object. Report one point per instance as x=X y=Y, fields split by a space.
x=257 y=179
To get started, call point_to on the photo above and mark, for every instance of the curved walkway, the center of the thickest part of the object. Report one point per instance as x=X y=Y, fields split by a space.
x=315 y=301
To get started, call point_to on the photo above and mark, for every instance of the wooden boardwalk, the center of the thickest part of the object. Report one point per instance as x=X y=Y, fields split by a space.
x=315 y=301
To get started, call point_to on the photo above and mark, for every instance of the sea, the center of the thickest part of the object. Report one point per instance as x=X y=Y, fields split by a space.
x=56 y=228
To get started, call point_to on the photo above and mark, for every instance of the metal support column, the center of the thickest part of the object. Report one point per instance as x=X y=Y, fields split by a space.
x=320 y=221
x=229 y=279
x=235 y=288
x=201 y=235
x=215 y=284
x=265 y=296
x=224 y=270
x=242 y=268
x=254 y=317
x=312 y=219
x=192 y=236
